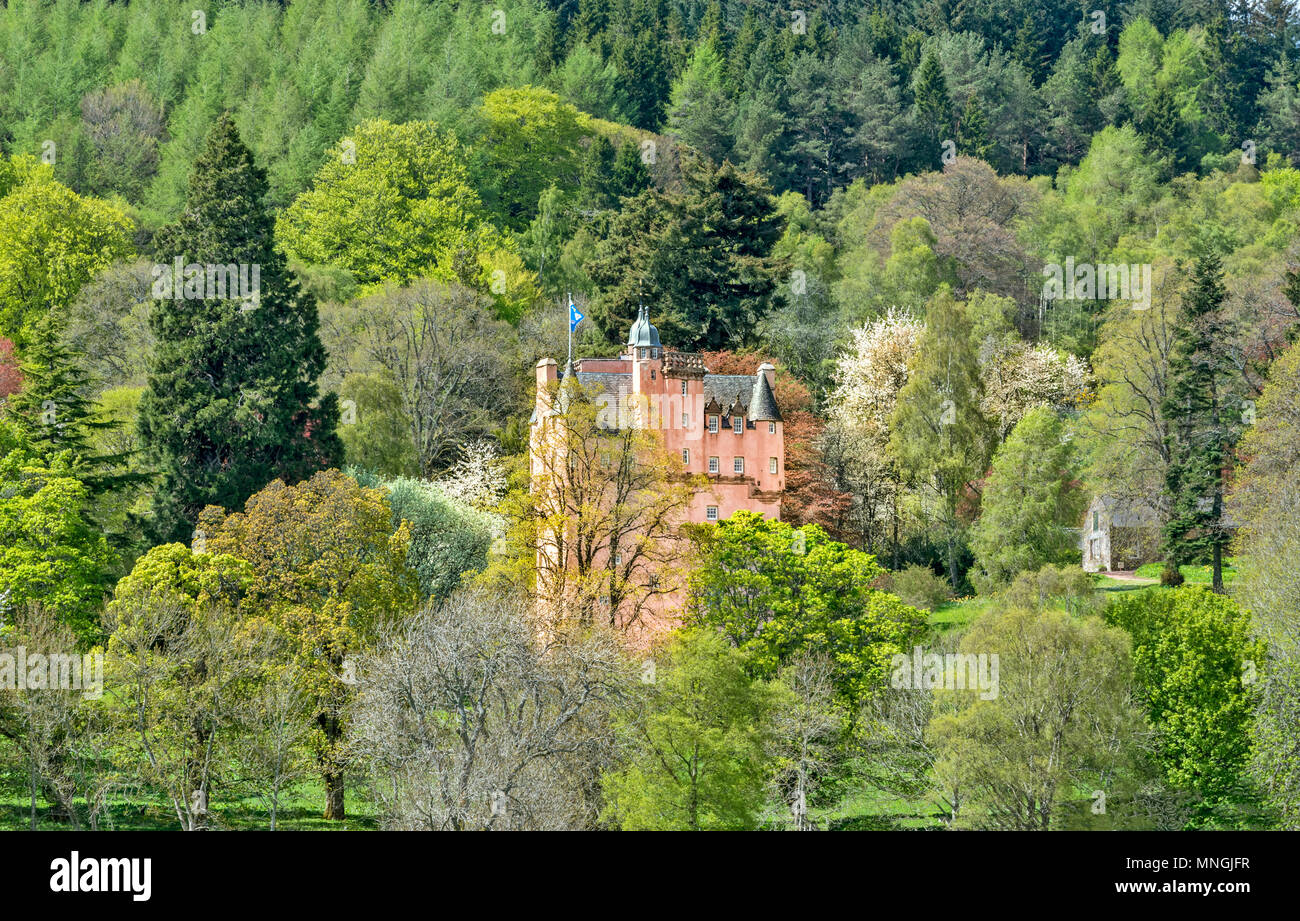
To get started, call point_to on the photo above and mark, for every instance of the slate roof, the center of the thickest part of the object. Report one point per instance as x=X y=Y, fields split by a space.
x=727 y=389
x=762 y=403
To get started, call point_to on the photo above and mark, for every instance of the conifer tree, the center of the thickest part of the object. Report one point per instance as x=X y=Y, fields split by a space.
x=53 y=409
x=1201 y=434
x=228 y=406
x=933 y=105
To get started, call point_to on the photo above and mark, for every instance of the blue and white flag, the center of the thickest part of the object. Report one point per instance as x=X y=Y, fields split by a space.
x=575 y=316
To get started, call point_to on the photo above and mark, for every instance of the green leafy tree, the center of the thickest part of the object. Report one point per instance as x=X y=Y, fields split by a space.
x=52 y=241
x=776 y=592
x=1193 y=664
x=698 y=758
x=1060 y=720
x=51 y=551
x=1266 y=504
x=390 y=202
x=332 y=574
x=938 y=435
x=531 y=141
x=1031 y=502
x=229 y=402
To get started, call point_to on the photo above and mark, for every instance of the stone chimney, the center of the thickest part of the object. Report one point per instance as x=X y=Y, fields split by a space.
x=768 y=371
x=548 y=372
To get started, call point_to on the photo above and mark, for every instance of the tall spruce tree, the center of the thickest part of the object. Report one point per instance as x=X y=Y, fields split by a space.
x=933 y=106
x=228 y=406
x=1201 y=433
x=53 y=408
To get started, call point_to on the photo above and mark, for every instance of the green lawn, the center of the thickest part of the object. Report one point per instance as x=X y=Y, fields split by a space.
x=958 y=614
x=1195 y=575
x=299 y=812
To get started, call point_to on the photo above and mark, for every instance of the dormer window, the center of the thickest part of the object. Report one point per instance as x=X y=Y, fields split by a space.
x=713 y=425
x=738 y=425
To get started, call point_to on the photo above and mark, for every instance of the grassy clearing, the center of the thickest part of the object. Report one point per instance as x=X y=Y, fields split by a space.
x=1194 y=575
x=299 y=812
x=958 y=615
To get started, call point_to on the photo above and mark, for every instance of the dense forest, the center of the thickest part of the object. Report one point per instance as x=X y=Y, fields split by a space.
x=1013 y=262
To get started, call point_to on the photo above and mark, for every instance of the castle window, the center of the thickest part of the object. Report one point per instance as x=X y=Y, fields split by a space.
x=713 y=465
x=711 y=513
x=771 y=465
x=686 y=421
x=738 y=464
x=683 y=388
x=686 y=455
x=1094 y=521
x=738 y=425
x=652 y=374
x=713 y=425
x=771 y=428
x=618 y=559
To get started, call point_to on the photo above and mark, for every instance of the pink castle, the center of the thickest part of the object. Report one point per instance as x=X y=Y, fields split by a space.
x=727 y=427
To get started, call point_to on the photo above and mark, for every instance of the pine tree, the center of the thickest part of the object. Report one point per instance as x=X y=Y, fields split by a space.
x=933 y=105
x=973 y=132
x=596 y=176
x=1201 y=438
x=228 y=406
x=631 y=175
x=56 y=414
x=53 y=410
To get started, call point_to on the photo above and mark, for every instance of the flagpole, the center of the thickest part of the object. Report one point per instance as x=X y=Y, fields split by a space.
x=568 y=307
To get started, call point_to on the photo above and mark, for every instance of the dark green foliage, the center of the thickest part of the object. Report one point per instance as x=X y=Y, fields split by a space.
x=1201 y=433
x=229 y=402
x=702 y=256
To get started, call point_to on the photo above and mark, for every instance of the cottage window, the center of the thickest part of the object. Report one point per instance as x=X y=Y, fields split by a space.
x=713 y=465
x=711 y=513
x=738 y=464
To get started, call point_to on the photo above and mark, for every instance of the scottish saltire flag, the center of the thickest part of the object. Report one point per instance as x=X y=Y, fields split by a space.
x=575 y=316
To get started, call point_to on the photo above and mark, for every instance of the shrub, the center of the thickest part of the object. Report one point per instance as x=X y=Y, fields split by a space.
x=919 y=587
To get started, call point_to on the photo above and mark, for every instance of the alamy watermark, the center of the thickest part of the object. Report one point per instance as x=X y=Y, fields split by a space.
x=194 y=282
x=929 y=671
x=1103 y=282
x=24 y=670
